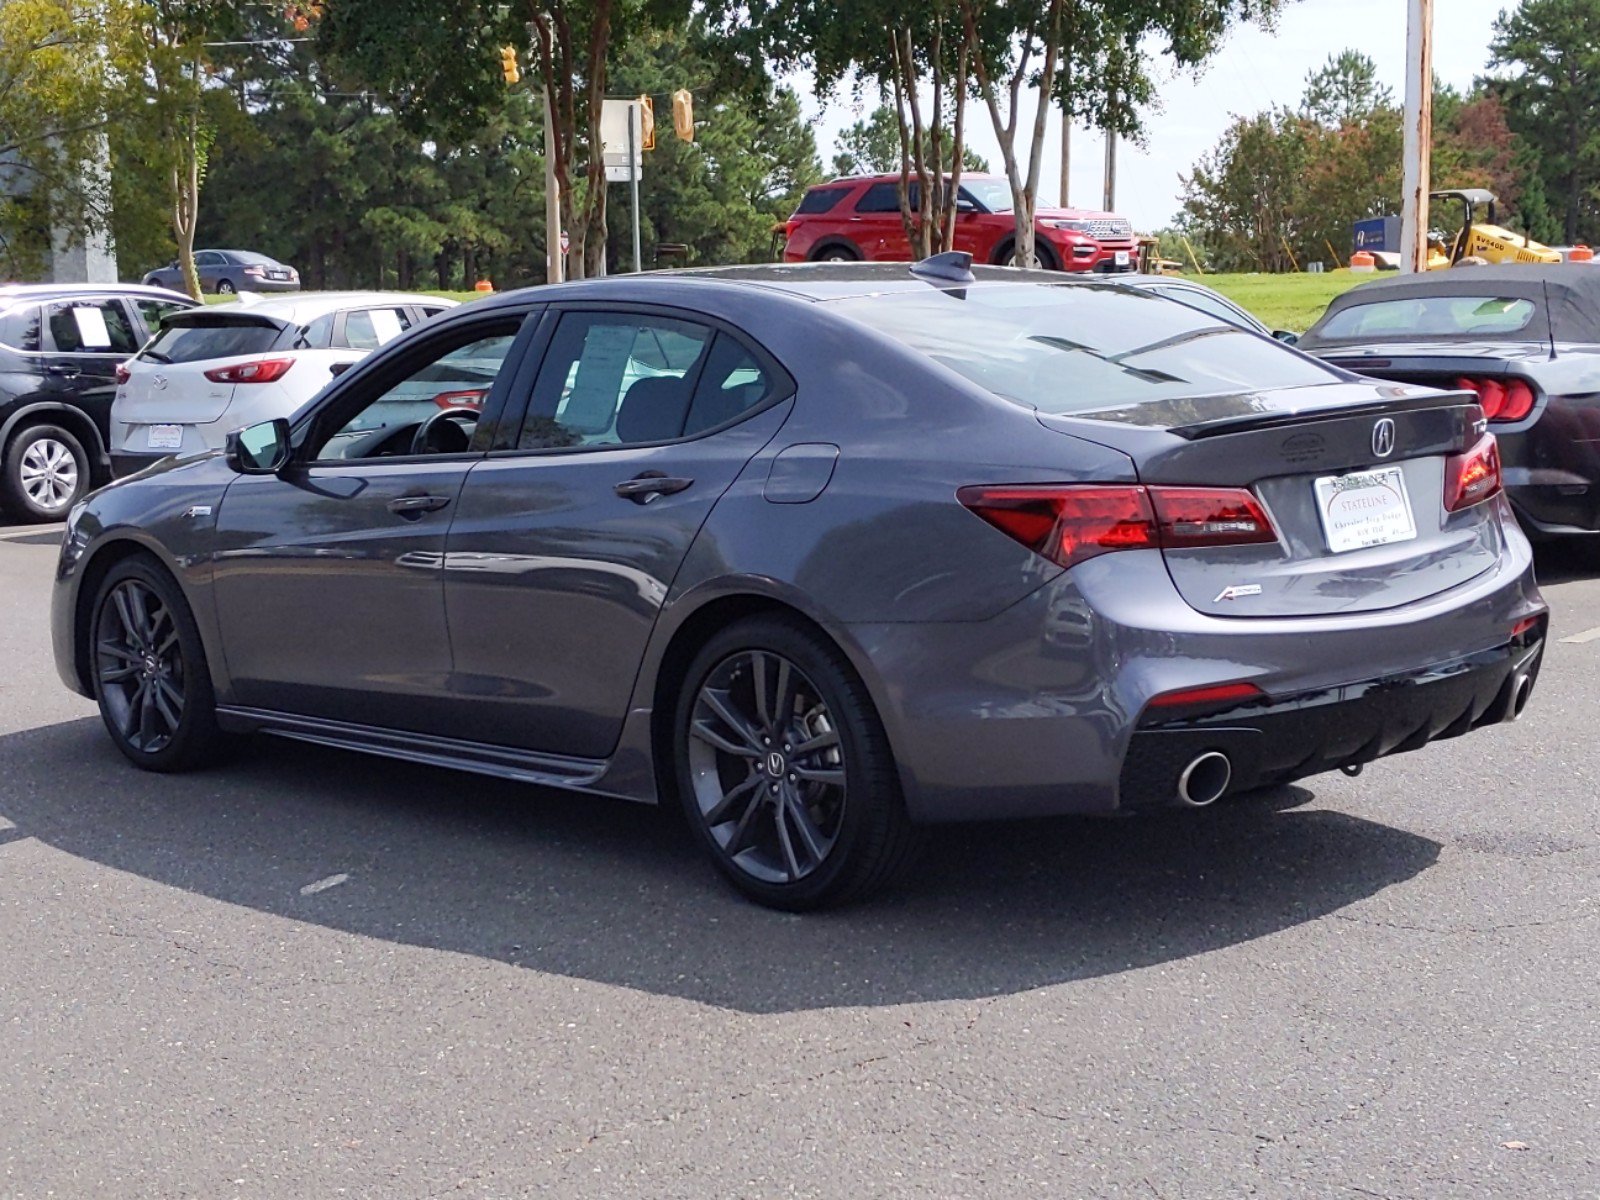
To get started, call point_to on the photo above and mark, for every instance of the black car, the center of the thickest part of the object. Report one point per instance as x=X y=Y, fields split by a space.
x=60 y=347
x=228 y=271
x=1525 y=339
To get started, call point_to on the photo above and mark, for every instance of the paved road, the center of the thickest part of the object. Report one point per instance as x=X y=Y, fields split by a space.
x=310 y=974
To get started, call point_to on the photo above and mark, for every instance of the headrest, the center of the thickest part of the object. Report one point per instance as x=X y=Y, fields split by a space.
x=653 y=410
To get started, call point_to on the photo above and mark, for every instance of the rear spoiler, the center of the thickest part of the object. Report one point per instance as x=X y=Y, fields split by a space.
x=232 y=316
x=1421 y=398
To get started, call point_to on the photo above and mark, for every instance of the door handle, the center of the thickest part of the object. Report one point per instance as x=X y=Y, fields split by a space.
x=412 y=507
x=64 y=372
x=642 y=489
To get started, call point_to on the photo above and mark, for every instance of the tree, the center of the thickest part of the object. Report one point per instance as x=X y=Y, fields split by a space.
x=1548 y=54
x=1345 y=91
x=872 y=147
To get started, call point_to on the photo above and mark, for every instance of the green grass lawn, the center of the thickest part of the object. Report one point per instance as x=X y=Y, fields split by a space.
x=1284 y=301
x=1281 y=301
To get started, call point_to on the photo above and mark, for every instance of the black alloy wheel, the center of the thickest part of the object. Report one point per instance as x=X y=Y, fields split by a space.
x=150 y=671
x=785 y=772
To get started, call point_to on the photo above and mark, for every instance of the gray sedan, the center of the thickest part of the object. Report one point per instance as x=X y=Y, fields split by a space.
x=228 y=271
x=822 y=554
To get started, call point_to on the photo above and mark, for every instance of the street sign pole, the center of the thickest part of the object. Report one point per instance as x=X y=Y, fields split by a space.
x=1418 y=137
x=634 y=122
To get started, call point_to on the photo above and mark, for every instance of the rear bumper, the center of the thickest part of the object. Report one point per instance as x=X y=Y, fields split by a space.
x=1288 y=738
x=124 y=464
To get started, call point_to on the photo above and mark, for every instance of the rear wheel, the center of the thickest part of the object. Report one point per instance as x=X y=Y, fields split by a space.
x=150 y=673
x=224 y=288
x=784 y=770
x=45 y=472
x=835 y=254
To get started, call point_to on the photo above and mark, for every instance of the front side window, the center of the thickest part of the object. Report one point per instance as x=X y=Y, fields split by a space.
x=994 y=195
x=89 y=327
x=155 y=311
x=432 y=409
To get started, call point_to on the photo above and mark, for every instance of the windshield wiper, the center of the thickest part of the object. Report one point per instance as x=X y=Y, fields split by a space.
x=155 y=356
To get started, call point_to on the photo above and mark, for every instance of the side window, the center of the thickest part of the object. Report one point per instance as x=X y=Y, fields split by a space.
x=615 y=379
x=208 y=258
x=880 y=198
x=154 y=311
x=369 y=328
x=89 y=327
x=19 y=328
x=731 y=385
x=820 y=200
x=452 y=385
x=1209 y=305
x=319 y=334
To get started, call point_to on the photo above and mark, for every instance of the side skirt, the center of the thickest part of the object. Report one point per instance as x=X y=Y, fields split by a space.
x=501 y=762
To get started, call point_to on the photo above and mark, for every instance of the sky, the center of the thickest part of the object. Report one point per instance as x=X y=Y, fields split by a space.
x=1253 y=71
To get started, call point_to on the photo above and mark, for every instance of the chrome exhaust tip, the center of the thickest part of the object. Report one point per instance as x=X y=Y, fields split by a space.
x=1521 y=690
x=1205 y=779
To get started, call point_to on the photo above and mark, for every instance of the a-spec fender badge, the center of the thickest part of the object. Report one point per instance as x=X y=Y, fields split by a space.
x=1236 y=591
x=198 y=510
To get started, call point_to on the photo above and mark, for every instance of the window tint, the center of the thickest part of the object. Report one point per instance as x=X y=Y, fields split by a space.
x=89 y=327
x=369 y=328
x=19 y=328
x=319 y=334
x=187 y=342
x=880 y=198
x=820 y=200
x=208 y=258
x=731 y=385
x=1431 y=316
x=614 y=379
x=1070 y=348
x=993 y=194
x=154 y=310
x=458 y=379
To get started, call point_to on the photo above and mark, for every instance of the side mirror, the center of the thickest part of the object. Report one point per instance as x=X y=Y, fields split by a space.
x=259 y=449
x=963 y=205
x=1287 y=337
x=339 y=368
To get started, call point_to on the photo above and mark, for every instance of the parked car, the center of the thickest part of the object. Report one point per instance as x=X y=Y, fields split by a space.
x=857 y=218
x=216 y=369
x=1207 y=300
x=823 y=554
x=59 y=349
x=1524 y=341
x=230 y=271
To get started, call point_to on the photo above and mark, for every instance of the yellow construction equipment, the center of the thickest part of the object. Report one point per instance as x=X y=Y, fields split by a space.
x=1482 y=241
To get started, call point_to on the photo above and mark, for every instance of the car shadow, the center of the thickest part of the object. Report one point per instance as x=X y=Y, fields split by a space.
x=617 y=893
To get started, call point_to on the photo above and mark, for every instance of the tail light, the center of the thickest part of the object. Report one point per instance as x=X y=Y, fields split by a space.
x=1502 y=400
x=258 y=272
x=261 y=370
x=1472 y=477
x=123 y=373
x=1068 y=524
x=468 y=399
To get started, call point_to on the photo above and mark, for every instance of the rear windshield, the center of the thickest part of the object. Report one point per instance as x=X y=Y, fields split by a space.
x=186 y=343
x=1069 y=348
x=251 y=258
x=1426 y=317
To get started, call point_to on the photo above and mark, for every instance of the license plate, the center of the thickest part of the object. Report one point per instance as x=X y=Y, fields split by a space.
x=1365 y=508
x=1122 y=258
x=164 y=437
x=278 y=274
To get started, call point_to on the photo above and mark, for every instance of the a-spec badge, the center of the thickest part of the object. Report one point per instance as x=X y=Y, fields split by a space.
x=1238 y=591
x=1383 y=437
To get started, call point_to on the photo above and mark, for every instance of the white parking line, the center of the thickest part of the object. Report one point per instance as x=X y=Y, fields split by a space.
x=322 y=885
x=1588 y=635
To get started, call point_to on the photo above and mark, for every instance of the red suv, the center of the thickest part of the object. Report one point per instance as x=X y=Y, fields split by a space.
x=858 y=218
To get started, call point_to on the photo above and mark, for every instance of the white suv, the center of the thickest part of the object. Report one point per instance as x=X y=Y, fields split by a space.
x=213 y=370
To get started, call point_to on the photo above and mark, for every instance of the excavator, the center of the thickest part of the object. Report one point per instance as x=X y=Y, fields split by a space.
x=1484 y=241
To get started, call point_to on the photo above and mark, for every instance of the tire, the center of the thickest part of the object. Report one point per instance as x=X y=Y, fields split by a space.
x=835 y=254
x=225 y=287
x=1041 y=251
x=150 y=674
x=45 y=472
x=824 y=829
x=152 y=281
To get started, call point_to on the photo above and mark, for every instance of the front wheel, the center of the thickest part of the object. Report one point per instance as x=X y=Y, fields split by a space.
x=46 y=472
x=784 y=769
x=150 y=670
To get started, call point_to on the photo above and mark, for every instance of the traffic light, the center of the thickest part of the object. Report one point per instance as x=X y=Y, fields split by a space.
x=647 y=123
x=508 y=64
x=683 y=114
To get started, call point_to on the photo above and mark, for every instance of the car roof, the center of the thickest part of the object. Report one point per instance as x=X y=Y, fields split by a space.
x=47 y=291
x=892 y=177
x=301 y=307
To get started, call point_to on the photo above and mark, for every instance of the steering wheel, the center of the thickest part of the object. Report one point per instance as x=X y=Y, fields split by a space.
x=456 y=424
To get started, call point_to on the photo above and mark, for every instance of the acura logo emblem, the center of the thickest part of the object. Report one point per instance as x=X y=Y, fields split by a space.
x=1383 y=438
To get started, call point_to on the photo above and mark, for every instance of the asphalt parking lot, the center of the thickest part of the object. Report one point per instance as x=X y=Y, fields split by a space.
x=312 y=974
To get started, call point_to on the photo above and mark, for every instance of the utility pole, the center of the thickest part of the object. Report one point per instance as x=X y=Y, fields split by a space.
x=555 y=258
x=1066 y=154
x=635 y=137
x=1110 y=204
x=1418 y=137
